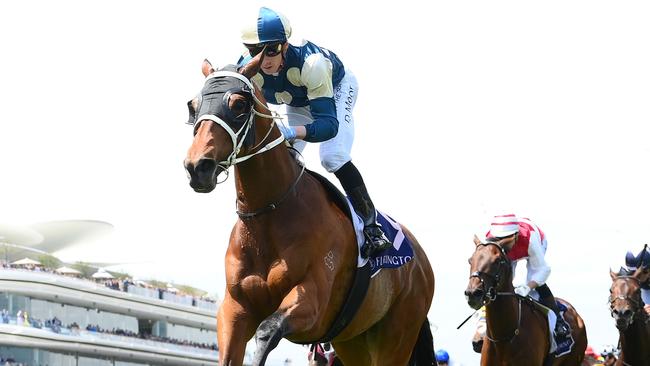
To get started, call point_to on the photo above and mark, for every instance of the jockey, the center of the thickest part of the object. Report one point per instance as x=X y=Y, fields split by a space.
x=632 y=262
x=530 y=244
x=315 y=86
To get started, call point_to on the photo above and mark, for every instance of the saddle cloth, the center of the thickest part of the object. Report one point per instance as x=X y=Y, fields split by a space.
x=399 y=254
x=560 y=345
x=396 y=256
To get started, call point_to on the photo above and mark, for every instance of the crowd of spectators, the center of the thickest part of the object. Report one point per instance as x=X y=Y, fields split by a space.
x=10 y=361
x=151 y=337
x=55 y=325
x=117 y=284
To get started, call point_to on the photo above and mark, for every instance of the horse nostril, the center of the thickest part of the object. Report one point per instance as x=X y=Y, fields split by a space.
x=205 y=167
x=626 y=313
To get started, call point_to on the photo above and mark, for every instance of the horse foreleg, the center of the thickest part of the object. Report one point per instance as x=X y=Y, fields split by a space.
x=268 y=335
x=234 y=329
x=296 y=314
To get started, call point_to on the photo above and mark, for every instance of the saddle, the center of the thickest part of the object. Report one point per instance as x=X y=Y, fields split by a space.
x=560 y=346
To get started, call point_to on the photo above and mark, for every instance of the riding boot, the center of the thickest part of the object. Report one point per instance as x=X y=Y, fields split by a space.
x=376 y=240
x=561 y=327
x=355 y=188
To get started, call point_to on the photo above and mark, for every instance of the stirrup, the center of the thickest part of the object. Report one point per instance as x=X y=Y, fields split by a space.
x=377 y=240
x=562 y=328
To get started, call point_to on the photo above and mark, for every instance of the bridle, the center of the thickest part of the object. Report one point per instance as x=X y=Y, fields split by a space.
x=238 y=137
x=636 y=304
x=242 y=134
x=490 y=293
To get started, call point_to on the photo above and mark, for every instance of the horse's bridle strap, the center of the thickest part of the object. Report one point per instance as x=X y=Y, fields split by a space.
x=225 y=73
x=490 y=294
x=274 y=205
x=516 y=332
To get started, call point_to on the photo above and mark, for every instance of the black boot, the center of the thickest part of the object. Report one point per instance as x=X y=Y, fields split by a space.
x=376 y=240
x=562 y=329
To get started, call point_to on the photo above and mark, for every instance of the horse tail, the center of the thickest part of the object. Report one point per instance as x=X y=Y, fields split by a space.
x=423 y=353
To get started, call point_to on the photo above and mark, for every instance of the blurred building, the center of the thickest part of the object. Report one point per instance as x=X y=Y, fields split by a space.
x=54 y=316
x=51 y=319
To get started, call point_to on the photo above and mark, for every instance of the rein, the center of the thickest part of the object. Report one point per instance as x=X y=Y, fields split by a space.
x=516 y=331
x=241 y=135
x=233 y=159
x=271 y=206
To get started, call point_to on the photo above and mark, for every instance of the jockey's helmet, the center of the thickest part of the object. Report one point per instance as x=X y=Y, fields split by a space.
x=442 y=355
x=270 y=26
x=504 y=225
x=632 y=262
x=608 y=351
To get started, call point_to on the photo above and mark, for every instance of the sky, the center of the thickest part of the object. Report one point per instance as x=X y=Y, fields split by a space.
x=466 y=110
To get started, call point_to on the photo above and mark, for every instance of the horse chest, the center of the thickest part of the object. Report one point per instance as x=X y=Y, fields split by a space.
x=266 y=289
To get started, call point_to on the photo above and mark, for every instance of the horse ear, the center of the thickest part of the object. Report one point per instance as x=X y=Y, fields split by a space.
x=612 y=274
x=253 y=67
x=508 y=243
x=638 y=273
x=477 y=241
x=206 y=68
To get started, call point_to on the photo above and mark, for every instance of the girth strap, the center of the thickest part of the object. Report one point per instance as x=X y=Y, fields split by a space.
x=353 y=301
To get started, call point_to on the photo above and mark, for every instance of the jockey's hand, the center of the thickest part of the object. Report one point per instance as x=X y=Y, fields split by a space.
x=647 y=309
x=522 y=290
x=288 y=132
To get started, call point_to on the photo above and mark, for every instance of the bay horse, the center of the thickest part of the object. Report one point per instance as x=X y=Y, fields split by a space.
x=631 y=319
x=517 y=330
x=292 y=253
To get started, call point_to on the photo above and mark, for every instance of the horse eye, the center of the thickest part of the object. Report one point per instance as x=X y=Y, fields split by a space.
x=238 y=103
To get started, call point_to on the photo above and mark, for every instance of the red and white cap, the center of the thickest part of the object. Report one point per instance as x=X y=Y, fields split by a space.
x=504 y=225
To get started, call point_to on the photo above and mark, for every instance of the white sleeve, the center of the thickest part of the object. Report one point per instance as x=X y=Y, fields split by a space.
x=316 y=75
x=538 y=269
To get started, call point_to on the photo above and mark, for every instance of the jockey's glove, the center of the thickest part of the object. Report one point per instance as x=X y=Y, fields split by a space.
x=522 y=290
x=288 y=132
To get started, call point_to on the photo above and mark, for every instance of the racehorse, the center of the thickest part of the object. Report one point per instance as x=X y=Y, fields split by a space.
x=517 y=330
x=292 y=253
x=631 y=319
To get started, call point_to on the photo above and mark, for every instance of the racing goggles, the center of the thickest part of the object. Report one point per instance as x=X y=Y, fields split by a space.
x=272 y=49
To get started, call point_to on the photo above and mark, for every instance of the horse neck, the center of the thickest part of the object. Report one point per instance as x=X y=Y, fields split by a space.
x=635 y=340
x=502 y=313
x=266 y=177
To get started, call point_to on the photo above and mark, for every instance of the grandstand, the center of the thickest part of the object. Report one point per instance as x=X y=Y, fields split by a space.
x=62 y=316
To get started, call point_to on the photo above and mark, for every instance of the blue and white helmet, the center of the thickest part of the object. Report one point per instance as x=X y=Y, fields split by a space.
x=270 y=26
x=632 y=262
x=442 y=356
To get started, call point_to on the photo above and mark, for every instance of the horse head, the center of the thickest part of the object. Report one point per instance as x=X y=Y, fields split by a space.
x=226 y=115
x=490 y=271
x=625 y=298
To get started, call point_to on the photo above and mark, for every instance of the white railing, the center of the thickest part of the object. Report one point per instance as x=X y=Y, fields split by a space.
x=206 y=305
